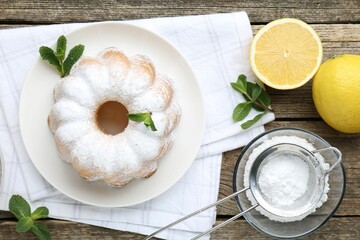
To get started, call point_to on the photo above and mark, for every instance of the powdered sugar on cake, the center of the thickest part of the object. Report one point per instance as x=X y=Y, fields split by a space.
x=133 y=82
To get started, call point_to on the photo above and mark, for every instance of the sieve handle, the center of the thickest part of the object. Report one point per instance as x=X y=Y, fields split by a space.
x=203 y=209
x=338 y=153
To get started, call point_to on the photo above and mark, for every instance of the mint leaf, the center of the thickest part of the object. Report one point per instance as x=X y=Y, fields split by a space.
x=61 y=48
x=241 y=111
x=143 y=117
x=241 y=88
x=41 y=231
x=241 y=84
x=57 y=58
x=256 y=97
x=147 y=121
x=152 y=126
x=19 y=207
x=241 y=79
x=251 y=122
x=138 y=117
x=24 y=225
x=150 y=123
x=249 y=89
x=255 y=93
x=40 y=212
x=73 y=56
x=48 y=54
x=264 y=98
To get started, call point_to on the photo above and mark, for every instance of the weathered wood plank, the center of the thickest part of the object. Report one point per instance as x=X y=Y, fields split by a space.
x=67 y=230
x=340 y=35
x=10 y=26
x=6 y=215
x=336 y=228
x=349 y=145
x=258 y=11
x=93 y=4
x=297 y=103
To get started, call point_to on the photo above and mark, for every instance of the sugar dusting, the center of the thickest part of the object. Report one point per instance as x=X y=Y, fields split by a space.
x=112 y=76
x=284 y=179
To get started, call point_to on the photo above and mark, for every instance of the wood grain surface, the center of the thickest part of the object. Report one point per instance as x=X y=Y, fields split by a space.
x=336 y=22
x=259 y=11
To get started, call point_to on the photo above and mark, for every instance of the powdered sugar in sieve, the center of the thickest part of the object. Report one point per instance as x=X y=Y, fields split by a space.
x=284 y=179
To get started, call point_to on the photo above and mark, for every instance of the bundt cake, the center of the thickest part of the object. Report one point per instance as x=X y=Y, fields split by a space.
x=90 y=123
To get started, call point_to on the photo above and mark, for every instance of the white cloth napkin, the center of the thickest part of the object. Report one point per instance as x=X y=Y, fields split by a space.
x=217 y=47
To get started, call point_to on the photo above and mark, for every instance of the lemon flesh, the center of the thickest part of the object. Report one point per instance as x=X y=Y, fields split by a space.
x=336 y=92
x=286 y=53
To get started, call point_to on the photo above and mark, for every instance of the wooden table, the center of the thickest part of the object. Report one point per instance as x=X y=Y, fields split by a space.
x=337 y=23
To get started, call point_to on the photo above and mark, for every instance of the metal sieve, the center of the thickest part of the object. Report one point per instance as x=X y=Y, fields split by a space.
x=303 y=206
x=308 y=201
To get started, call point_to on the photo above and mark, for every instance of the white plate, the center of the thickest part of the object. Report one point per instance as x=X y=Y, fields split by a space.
x=37 y=100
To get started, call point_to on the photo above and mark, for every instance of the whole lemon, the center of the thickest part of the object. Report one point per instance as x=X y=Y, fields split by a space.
x=336 y=92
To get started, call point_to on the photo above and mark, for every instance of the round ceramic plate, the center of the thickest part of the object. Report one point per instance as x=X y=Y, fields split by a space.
x=37 y=100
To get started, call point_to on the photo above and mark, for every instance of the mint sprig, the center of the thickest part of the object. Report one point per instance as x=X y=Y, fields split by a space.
x=256 y=98
x=57 y=58
x=22 y=211
x=143 y=117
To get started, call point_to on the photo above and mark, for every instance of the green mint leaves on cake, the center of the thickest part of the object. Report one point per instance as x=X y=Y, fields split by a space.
x=143 y=117
x=57 y=58
x=256 y=98
x=22 y=211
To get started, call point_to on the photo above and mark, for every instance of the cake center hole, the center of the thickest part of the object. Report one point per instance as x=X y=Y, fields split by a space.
x=111 y=117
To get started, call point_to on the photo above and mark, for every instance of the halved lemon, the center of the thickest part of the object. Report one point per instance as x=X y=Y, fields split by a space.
x=286 y=53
